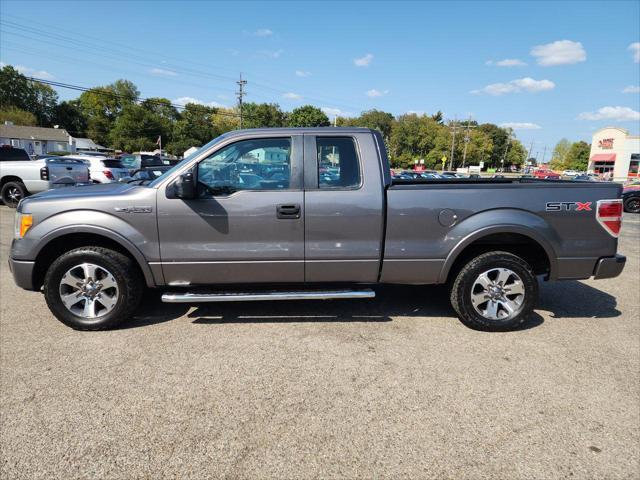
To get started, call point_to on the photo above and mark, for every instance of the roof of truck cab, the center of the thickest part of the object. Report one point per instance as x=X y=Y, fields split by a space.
x=297 y=130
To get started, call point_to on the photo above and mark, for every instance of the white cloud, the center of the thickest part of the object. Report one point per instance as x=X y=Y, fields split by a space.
x=562 y=52
x=163 y=73
x=415 y=112
x=631 y=89
x=292 y=96
x=621 y=114
x=507 y=62
x=31 y=72
x=526 y=84
x=521 y=125
x=302 y=73
x=332 y=112
x=363 y=61
x=635 y=48
x=376 y=93
x=184 y=100
x=263 y=32
x=270 y=54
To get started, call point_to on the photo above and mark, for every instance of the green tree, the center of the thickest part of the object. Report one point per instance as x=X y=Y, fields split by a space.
x=136 y=128
x=559 y=155
x=263 y=115
x=68 y=115
x=102 y=105
x=499 y=138
x=438 y=117
x=308 y=116
x=31 y=96
x=18 y=117
x=195 y=127
x=516 y=155
x=578 y=157
x=377 y=120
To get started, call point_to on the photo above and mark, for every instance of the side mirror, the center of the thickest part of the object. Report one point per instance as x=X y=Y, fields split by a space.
x=185 y=186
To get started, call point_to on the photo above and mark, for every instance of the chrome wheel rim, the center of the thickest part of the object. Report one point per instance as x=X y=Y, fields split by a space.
x=498 y=294
x=88 y=290
x=14 y=195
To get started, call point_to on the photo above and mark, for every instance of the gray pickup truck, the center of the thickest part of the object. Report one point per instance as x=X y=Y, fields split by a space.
x=285 y=214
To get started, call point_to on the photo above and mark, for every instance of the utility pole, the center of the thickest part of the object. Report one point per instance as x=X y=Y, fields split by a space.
x=505 y=152
x=467 y=139
x=544 y=154
x=241 y=93
x=453 y=142
x=530 y=148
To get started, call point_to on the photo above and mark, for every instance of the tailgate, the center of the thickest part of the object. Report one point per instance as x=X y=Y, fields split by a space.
x=67 y=170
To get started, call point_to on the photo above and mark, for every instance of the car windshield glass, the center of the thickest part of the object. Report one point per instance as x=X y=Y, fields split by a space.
x=112 y=163
x=179 y=165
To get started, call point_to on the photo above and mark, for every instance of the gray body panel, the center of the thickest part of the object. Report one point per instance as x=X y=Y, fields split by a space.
x=377 y=232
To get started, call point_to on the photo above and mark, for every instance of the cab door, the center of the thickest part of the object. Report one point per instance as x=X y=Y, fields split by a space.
x=247 y=224
x=344 y=208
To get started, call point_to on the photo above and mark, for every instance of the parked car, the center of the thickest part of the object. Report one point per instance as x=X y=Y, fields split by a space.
x=571 y=173
x=146 y=174
x=585 y=178
x=552 y=176
x=137 y=161
x=201 y=234
x=631 y=197
x=20 y=176
x=103 y=169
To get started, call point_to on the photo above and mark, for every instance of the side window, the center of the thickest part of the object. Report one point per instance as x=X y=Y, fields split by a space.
x=257 y=164
x=338 y=165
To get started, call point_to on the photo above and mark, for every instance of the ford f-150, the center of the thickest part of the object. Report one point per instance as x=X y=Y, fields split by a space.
x=272 y=214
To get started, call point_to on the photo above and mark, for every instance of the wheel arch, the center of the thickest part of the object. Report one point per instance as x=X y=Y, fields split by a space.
x=514 y=238
x=68 y=238
x=10 y=178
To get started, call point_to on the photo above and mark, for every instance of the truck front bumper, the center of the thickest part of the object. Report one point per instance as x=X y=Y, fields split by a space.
x=609 y=267
x=22 y=273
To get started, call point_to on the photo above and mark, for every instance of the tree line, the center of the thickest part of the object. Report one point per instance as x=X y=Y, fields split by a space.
x=115 y=116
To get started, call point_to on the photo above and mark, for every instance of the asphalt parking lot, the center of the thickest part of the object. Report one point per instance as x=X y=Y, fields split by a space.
x=390 y=388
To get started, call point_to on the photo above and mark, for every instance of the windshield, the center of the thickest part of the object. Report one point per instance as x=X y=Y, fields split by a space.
x=179 y=165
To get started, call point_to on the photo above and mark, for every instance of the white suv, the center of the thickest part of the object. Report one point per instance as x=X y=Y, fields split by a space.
x=103 y=169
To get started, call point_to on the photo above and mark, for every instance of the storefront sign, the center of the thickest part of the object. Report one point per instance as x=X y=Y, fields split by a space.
x=606 y=143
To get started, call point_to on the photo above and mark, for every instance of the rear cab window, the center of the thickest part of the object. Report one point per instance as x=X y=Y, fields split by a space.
x=10 y=154
x=338 y=163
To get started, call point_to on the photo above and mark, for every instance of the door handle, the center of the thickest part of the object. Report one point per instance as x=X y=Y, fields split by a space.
x=288 y=211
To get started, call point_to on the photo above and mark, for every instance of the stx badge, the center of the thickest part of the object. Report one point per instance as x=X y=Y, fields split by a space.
x=577 y=206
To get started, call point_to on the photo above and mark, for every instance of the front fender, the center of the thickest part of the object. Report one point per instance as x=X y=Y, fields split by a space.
x=140 y=240
x=504 y=220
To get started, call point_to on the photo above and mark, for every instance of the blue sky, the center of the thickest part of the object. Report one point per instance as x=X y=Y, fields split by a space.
x=556 y=69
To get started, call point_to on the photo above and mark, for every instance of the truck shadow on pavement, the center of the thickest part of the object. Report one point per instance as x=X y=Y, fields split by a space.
x=571 y=299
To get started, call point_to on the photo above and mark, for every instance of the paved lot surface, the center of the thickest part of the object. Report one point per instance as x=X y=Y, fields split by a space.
x=391 y=388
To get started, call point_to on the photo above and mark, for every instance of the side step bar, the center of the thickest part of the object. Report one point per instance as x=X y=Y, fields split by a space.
x=262 y=296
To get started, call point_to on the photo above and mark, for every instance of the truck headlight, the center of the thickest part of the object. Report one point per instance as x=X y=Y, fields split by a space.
x=23 y=223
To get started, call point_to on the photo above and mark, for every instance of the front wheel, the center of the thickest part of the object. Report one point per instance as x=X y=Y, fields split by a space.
x=93 y=288
x=495 y=291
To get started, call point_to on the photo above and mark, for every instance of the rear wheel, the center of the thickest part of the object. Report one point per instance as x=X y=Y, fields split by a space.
x=93 y=288
x=494 y=291
x=12 y=192
x=632 y=204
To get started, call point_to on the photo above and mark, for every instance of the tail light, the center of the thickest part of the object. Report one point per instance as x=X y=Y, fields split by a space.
x=44 y=173
x=108 y=174
x=609 y=215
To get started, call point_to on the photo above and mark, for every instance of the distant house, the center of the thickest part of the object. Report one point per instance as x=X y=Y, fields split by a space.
x=88 y=145
x=37 y=140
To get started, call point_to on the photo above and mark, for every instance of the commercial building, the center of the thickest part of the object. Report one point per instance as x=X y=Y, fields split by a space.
x=37 y=140
x=615 y=152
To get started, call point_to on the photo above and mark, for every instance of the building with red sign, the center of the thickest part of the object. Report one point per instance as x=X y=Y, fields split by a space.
x=615 y=152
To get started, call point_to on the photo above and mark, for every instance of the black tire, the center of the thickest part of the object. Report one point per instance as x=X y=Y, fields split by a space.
x=125 y=272
x=12 y=192
x=632 y=204
x=463 y=285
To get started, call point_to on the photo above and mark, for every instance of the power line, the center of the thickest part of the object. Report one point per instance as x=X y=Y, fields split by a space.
x=103 y=91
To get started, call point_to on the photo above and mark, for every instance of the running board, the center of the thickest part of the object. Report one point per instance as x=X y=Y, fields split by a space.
x=262 y=296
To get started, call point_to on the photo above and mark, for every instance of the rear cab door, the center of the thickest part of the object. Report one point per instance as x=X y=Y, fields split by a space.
x=344 y=207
